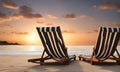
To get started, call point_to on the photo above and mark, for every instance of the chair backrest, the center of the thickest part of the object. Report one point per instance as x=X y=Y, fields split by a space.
x=107 y=42
x=52 y=41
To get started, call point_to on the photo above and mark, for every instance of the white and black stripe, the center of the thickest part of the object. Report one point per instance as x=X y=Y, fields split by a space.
x=107 y=42
x=52 y=41
x=113 y=39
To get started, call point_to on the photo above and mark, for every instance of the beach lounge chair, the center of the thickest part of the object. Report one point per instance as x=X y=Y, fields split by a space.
x=105 y=48
x=54 y=47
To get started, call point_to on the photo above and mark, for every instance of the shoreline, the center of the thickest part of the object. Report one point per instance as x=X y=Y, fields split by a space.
x=20 y=64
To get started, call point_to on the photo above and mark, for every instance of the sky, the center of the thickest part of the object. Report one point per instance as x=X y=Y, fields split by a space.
x=79 y=19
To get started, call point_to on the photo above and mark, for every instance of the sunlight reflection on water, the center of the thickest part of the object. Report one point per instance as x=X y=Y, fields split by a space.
x=37 y=50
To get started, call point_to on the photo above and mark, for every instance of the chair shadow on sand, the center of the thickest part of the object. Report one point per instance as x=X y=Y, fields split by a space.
x=76 y=66
x=73 y=67
x=111 y=68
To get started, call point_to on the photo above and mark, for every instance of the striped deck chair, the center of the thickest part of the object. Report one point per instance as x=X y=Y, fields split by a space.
x=105 y=48
x=54 y=47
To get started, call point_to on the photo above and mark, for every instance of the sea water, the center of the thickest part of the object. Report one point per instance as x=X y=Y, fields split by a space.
x=37 y=50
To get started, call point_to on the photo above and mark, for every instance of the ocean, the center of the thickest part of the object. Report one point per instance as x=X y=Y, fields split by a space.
x=37 y=50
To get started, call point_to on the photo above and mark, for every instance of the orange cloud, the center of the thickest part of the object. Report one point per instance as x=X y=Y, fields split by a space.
x=2 y=32
x=8 y=18
x=94 y=31
x=2 y=15
x=5 y=26
x=52 y=16
x=70 y=16
x=68 y=31
x=9 y=4
x=20 y=33
x=40 y=22
x=86 y=17
x=49 y=24
x=43 y=23
x=110 y=6
x=116 y=24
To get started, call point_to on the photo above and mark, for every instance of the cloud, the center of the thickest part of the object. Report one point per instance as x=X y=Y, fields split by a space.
x=45 y=23
x=52 y=16
x=23 y=12
x=14 y=32
x=70 y=16
x=93 y=31
x=27 y=12
x=9 y=4
x=39 y=22
x=116 y=24
x=2 y=16
x=94 y=6
x=2 y=20
x=110 y=6
x=5 y=18
x=19 y=33
x=68 y=31
x=86 y=17
x=49 y=24
x=4 y=27
x=2 y=32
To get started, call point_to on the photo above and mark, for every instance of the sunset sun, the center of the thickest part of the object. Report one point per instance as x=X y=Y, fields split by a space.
x=33 y=38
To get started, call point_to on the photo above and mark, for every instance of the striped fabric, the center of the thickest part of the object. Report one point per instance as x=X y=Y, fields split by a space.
x=107 y=42
x=52 y=41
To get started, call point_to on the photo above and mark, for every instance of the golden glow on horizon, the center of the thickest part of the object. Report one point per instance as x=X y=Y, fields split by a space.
x=70 y=34
x=32 y=38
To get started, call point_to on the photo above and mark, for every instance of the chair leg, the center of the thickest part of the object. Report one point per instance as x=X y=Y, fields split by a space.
x=92 y=62
x=118 y=62
x=75 y=58
x=41 y=61
x=80 y=57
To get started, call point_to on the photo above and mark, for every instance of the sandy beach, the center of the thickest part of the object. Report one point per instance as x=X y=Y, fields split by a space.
x=20 y=64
